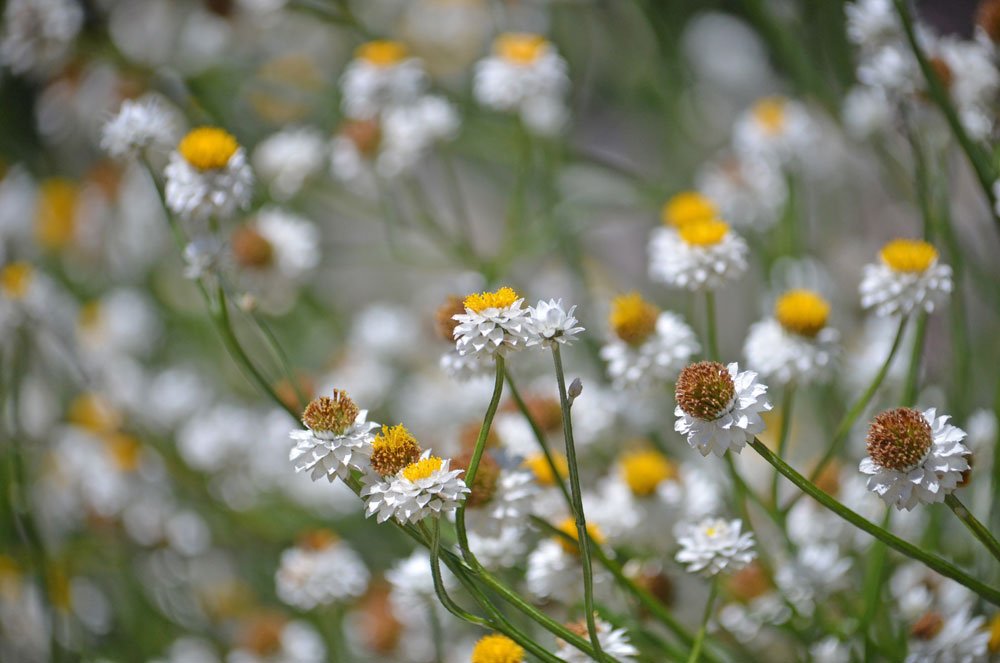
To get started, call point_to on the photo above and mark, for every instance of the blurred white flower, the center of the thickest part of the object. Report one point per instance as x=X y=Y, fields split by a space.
x=146 y=123
x=382 y=74
x=287 y=159
x=906 y=278
x=320 y=571
x=38 y=34
x=208 y=176
x=615 y=643
x=701 y=255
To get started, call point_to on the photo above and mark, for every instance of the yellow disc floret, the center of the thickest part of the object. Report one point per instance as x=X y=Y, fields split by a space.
x=632 y=318
x=802 y=312
x=497 y=648
x=705 y=232
x=770 y=114
x=15 y=279
x=994 y=629
x=908 y=255
x=520 y=47
x=393 y=449
x=568 y=526
x=382 y=52
x=501 y=298
x=208 y=148
x=687 y=206
x=540 y=467
x=94 y=413
x=644 y=470
x=422 y=469
x=55 y=217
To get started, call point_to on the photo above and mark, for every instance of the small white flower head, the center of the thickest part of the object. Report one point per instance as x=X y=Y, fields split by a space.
x=288 y=159
x=914 y=457
x=648 y=346
x=409 y=131
x=549 y=323
x=427 y=487
x=715 y=545
x=146 y=123
x=276 y=243
x=205 y=256
x=959 y=637
x=493 y=323
x=872 y=23
x=321 y=570
x=524 y=75
x=718 y=407
x=382 y=74
x=866 y=112
x=337 y=439
x=553 y=568
x=906 y=278
x=700 y=255
x=775 y=129
x=614 y=642
x=208 y=175
x=750 y=193
x=795 y=345
x=38 y=34
x=499 y=497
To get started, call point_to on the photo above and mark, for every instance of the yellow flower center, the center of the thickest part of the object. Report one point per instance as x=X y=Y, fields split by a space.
x=208 y=148
x=501 y=298
x=540 y=467
x=497 y=648
x=568 y=526
x=382 y=52
x=632 y=318
x=55 y=219
x=94 y=413
x=711 y=531
x=125 y=450
x=994 y=626
x=644 y=470
x=15 y=279
x=908 y=255
x=520 y=47
x=687 y=206
x=802 y=312
x=393 y=449
x=770 y=114
x=422 y=469
x=703 y=232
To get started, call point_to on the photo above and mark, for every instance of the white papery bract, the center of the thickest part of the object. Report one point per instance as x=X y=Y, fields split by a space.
x=657 y=359
x=138 y=125
x=736 y=425
x=782 y=356
x=714 y=545
x=962 y=639
x=409 y=501
x=309 y=577
x=197 y=195
x=892 y=292
x=928 y=481
x=615 y=643
x=492 y=330
x=548 y=323
x=678 y=264
x=325 y=453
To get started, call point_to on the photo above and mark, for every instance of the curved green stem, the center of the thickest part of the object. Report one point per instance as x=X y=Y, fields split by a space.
x=945 y=568
x=977 y=528
x=700 y=637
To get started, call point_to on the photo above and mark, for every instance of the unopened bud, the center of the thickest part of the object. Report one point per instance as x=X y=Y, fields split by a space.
x=575 y=389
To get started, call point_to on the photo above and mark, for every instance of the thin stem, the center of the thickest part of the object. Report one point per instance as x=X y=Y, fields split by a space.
x=439 y=587
x=711 y=333
x=934 y=562
x=700 y=637
x=977 y=528
x=787 y=402
x=577 y=495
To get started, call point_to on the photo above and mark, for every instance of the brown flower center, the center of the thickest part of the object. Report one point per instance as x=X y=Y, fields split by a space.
x=899 y=439
x=444 y=322
x=704 y=390
x=251 y=249
x=927 y=626
x=988 y=18
x=393 y=449
x=485 y=484
x=365 y=134
x=328 y=414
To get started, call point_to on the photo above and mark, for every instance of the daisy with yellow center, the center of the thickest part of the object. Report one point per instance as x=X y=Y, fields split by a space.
x=497 y=648
x=648 y=346
x=906 y=278
x=542 y=470
x=15 y=279
x=382 y=52
x=493 y=323
x=769 y=113
x=337 y=440
x=427 y=486
x=795 y=345
x=520 y=48
x=775 y=129
x=687 y=206
x=382 y=75
x=568 y=527
x=55 y=216
x=644 y=470
x=208 y=175
x=701 y=254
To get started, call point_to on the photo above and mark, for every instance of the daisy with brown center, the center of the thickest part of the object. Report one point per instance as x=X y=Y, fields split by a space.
x=702 y=254
x=907 y=277
x=524 y=75
x=208 y=176
x=406 y=484
x=493 y=323
x=794 y=344
x=382 y=74
x=719 y=407
x=338 y=438
x=647 y=346
x=914 y=457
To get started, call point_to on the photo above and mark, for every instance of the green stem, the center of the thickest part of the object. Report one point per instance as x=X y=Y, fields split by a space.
x=787 y=402
x=934 y=562
x=977 y=528
x=577 y=495
x=700 y=637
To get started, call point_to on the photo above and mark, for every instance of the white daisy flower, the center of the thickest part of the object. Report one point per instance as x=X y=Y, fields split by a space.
x=907 y=277
x=412 y=593
x=208 y=176
x=615 y=643
x=38 y=34
x=287 y=159
x=872 y=23
x=866 y=112
x=715 y=545
x=913 y=457
x=276 y=243
x=718 y=407
x=795 y=345
x=382 y=74
x=319 y=571
x=958 y=638
x=775 y=129
x=144 y=123
x=649 y=346
x=554 y=569
x=701 y=255
x=892 y=69
x=337 y=439
x=748 y=192
x=493 y=323
x=422 y=488
x=524 y=75
x=549 y=323
x=269 y=638
x=408 y=131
